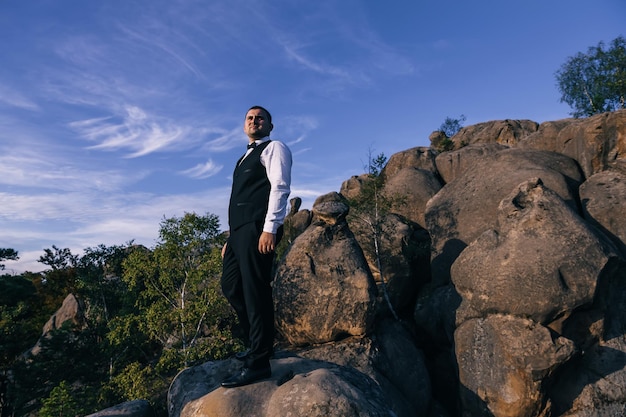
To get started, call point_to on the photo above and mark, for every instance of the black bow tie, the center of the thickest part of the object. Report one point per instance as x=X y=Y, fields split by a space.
x=252 y=145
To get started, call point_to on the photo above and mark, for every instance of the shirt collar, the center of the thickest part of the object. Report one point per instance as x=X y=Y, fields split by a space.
x=260 y=141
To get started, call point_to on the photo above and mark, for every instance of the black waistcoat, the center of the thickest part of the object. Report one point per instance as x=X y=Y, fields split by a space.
x=251 y=190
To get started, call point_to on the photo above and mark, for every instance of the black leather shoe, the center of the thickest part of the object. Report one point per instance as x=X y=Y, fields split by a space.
x=241 y=356
x=247 y=376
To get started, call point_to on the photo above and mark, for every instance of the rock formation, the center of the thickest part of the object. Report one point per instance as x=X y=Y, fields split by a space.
x=519 y=309
x=72 y=310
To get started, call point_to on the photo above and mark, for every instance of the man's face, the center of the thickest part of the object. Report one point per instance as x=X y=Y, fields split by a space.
x=256 y=125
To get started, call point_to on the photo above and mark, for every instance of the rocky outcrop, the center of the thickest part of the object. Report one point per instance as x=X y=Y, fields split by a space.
x=541 y=261
x=311 y=388
x=520 y=310
x=503 y=363
x=597 y=143
x=466 y=206
x=71 y=312
x=505 y=132
x=323 y=290
x=602 y=196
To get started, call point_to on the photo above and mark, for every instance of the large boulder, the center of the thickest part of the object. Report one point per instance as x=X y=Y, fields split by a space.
x=409 y=190
x=453 y=164
x=594 y=384
x=298 y=387
x=603 y=198
x=435 y=313
x=136 y=408
x=417 y=158
x=391 y=358
x=503 y=361
x=71 y=312
x=598 y=142
x=410 y=180
x=402 y=251
x=541 y=261
x=323 y=290
x=352 y=187
x=466 y=206
x=506 y=132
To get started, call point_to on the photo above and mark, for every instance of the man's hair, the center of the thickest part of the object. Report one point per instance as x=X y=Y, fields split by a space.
x=269 y=116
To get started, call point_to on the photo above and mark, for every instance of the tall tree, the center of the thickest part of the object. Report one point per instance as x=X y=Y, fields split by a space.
x=595 y=82
x=180 y=303
x=7 y=254
x=60 y=279
x=369 y=209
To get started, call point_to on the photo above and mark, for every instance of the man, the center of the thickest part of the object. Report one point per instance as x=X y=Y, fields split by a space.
x=258 y=204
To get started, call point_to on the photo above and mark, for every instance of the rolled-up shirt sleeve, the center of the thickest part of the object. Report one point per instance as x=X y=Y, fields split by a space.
x=276 y=158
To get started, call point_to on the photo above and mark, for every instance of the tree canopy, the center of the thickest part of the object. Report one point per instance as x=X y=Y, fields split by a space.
x=595 y=82
x=149 y=312
x=7 y=254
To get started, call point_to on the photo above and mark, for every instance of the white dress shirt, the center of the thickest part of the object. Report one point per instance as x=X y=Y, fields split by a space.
x=276 y=158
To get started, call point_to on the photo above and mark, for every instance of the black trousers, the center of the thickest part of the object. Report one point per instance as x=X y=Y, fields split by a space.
x=246 y=284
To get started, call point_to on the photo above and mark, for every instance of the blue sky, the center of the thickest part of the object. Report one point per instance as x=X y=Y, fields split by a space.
x=116 y=114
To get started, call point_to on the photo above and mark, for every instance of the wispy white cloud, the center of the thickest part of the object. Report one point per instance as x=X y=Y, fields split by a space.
x=39 y=167
x=137 y=131
x=226 y=140
x=345 y=49
x=205 y=170
x=91 y=219
x=294 y=53
x=154 y=40
x=16 y=99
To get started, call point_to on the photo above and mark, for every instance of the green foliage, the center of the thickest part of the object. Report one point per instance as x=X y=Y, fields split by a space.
x=138 y=381
x=149 y=313
x=448 y=128
x=376 y=165
x=57 y=258
x=451 y=127
x=445 y=145
x=7 y=254
x=60 y=279
x=67 y=354
x=98 y=280
x=18 y=307
x=595 y=82
x=369 y=209
x=60 y=403
x=178 y=285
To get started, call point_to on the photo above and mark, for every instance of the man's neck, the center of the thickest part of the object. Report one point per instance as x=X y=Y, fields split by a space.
x=264 y=138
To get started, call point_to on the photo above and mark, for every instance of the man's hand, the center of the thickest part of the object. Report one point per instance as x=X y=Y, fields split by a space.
x=267 y=243
x=224 y=249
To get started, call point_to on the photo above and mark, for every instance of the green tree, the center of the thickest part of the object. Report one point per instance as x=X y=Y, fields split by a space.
x=20 y=327
x=69 y=354
x=595 y=82
x=369 y=209
x=98 y=280
x=60 y=403
x=7 y=254
x=76 y=355
x=448 y=128
x=179 y=304
x=60 y=279
x=20 y=324
x=451 y=127
x=137 y=382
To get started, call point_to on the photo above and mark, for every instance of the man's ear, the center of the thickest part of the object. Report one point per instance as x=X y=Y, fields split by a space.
x=271 y=127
